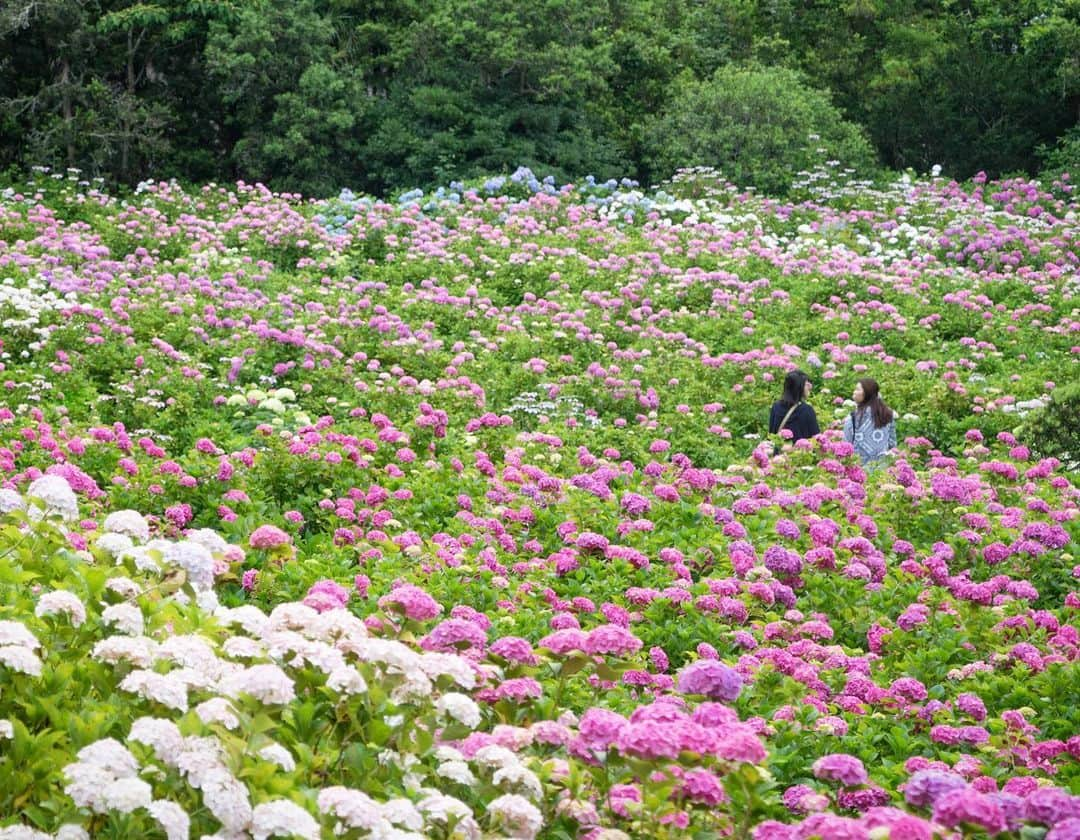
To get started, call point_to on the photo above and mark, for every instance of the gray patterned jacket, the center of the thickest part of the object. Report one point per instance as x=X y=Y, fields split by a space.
x=871 y=444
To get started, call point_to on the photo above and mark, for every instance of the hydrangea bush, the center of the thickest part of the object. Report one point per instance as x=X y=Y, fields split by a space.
x=451 y=517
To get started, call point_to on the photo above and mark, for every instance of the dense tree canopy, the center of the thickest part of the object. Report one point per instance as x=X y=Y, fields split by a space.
x=313 y=95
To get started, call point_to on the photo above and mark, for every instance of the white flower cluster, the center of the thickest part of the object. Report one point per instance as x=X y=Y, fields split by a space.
x=10 y=500
x=459 y=707
x=126 y=617
x=56 y=495
x=130 y=523
x=193 y=558
x=516 y=815
x=167 y=689
x=201 y=762
x=399 y=818
x=105 y=778
x=282 y=818
x=59 y=602
x=25 y=307
x=266 y=683
x=17 y=646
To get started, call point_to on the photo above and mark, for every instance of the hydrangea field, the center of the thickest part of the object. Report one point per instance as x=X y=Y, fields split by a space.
x=453 y=515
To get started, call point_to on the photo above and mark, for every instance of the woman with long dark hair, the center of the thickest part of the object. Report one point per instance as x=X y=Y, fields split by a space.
x=871 y=427
x=791 y=411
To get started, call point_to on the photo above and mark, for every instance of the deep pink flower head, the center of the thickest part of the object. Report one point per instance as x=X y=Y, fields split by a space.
x=840 y=767
x=326 y=595
x=965 y=806
x=600 y=728
x=611 y=639
x=413 y=601
x=268 y=536
x=712 y=679
x=924 y=788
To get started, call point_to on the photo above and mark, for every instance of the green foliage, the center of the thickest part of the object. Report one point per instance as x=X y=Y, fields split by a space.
x=758 y=125
x=384 y=96
x=1063 y=157
x=1054 y=431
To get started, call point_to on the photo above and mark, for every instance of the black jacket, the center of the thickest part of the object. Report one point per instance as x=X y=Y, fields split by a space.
x=802 y=423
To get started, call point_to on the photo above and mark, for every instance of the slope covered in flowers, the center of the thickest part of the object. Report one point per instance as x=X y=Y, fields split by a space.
x=451 y=517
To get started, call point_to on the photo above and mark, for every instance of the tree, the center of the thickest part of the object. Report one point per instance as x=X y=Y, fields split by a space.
x=758 y=125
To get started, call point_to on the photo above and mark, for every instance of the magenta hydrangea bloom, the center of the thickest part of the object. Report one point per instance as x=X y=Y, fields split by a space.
x=326 y=595
x=712 y=679
x=413 y=601
x=840 y=767
x=924 y=788
x=599 y=728
x=268 y=537
x=611 y=639
x=562 y=642
x=965 y=806
x=454 y=634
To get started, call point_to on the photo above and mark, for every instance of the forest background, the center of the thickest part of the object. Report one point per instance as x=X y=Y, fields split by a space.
x=384 y=95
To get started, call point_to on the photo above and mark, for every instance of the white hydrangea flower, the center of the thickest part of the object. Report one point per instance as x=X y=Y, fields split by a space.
x=144 y=559
x=292 y=616
x=457 y=771
x=444 y=752
x=278 y=755
x=194 y=559
x=127 y=795
x=439 y=808
x=266 y=683
x=354 y=808
x=520 y=779
x=461 y=708
x=494 y=757
x=194 y=678
x=130 y=523
x=517 y=814
x=218 y=710
x=7 y=729
x=10 y=500
x=227 y=799
x=139 y=650
x=282 y=818
x=402 y=812
x=86 y=785
x=161 y=735
x=15 y=633
x=191 y=651
x=211 y=540
x=416 y=686
x=450 y=665
x=199 y=759
x=61 y=602
x=172 y=818
x=249 y=617
x=346 y=680
x=125 y=587
x=115 y=545
x=111 y=755
x=57 y=496
x=20 y=659
x=334 y=624
x=126 y=617
x=241 y=647
x=161 y=688
x=207 y=601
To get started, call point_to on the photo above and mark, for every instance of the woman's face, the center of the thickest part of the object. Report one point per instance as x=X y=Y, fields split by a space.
x=858 y=394
x=806 y=390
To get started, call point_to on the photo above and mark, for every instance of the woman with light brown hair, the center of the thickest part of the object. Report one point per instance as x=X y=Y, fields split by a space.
x=871 y=427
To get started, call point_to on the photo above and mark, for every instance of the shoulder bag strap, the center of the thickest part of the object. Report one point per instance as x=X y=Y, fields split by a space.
x=787 y=417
